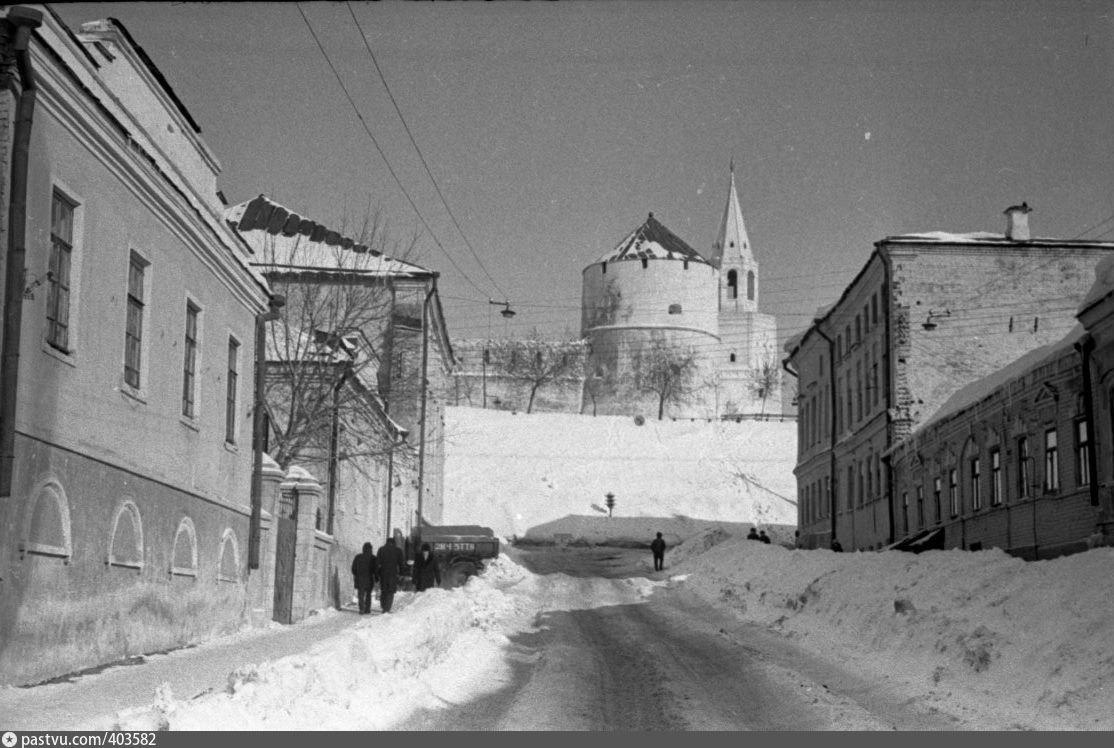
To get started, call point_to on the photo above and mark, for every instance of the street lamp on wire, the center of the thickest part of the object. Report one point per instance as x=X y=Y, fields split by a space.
x=507 y=313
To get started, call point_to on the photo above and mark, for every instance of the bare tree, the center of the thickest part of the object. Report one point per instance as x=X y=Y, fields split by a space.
x=536 y=362
x=326 y=354
x=765 y=380
x=665 y=371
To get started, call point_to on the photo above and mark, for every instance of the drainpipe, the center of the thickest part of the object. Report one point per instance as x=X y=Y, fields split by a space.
x=1085 y=346
x=887 y=391
x=334 y=439
x=797 y=376
x=24 y=20
x=833 y=501
x=425 y=387
x=258 y=424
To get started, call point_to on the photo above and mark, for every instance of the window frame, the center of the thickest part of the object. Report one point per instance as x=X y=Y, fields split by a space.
x=59 y=277
x=137 y=313
x=232 y=384
x=1024 y=468
x=1082 y=452
x=976 y=483
x=1051 y=460
x=953 y=492
x=995 y=476
x=191 y=345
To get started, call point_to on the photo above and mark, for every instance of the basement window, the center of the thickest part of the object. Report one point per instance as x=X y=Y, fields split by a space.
x=674 y=308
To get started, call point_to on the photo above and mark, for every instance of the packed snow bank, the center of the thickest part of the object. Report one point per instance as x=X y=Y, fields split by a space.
x=435 y=647
x=973 y=633
x=996 y=642
x=519 y=473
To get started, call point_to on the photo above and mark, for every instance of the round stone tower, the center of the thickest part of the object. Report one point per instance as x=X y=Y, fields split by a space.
x=650 y=316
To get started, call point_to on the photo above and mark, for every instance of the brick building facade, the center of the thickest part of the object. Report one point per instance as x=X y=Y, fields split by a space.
x=927 y=314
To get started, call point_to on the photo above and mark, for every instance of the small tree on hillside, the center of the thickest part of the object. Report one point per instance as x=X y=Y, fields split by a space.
x=765 y=380
x=666 y=372
x=537 y=363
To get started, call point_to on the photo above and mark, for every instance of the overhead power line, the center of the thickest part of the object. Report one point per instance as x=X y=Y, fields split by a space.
x=382 y=155
x=421 y=156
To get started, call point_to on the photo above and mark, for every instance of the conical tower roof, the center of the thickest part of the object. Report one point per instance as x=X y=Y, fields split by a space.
x=732 y=238
x=652 y=240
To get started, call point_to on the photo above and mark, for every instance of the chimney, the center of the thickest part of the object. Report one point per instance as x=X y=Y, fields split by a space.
x=1017 y=222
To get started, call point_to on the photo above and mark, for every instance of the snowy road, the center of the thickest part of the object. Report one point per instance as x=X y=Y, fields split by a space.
x=662 y=663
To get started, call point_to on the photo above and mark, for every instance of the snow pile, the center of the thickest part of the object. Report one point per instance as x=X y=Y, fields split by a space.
x=1028 y=643
x=993 y=640
x=435 y=647
x=519 y=474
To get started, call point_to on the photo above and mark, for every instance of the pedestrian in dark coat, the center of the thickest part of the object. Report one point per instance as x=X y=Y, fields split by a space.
x=764 y=537
x=837 y=546
x=657 y=547
x=391 y=563
x=753 y=535
x=363 y=577
x=427 y=572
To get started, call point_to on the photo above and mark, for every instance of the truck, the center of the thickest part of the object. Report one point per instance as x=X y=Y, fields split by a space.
x=461 y=550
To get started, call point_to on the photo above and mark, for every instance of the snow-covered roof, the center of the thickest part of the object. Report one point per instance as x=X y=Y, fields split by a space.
x=949 y=237
x=1103 y=285
x=653 y=241
x=975 y=391
x=280 y=238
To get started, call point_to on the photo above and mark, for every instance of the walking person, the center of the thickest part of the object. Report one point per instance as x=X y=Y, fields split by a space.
x=427 y=571
x=764 y=537
x=657 y=547
x=753 y=535
x=391 y=564
x=363 y=577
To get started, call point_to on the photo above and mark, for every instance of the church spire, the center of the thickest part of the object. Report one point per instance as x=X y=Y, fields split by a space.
x=732 y=242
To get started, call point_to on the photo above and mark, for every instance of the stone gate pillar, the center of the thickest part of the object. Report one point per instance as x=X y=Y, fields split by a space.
x=263 y=579
x=305 y=578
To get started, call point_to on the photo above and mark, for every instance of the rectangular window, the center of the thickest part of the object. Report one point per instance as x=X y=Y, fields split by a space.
x=1024 y=476
x=904 y=512
x=825 y=511
x=995 y=477
x=976 y=481
x=859 y=390
x=875 y=387
x=1082 y=454
x=58 y=290
x=233 y=377
x=189 y=364
x=862 y=483
x=936 y=500
x=1051 y=462
x=133 y=335
x=850 y=487
x=920 y=506
x=953 y=492
x=874 y=309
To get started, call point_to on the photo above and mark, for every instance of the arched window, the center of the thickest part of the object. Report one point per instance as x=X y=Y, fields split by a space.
x=228 y=566
x=46 y=528
x=750 y=285
x=732 y=284
x=125 y=547
x=183 y=559
x=732 y=358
